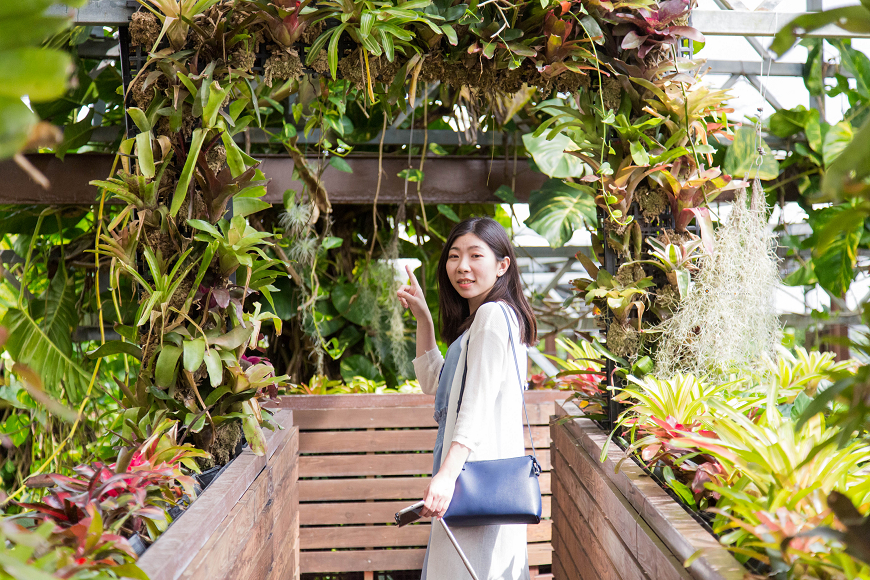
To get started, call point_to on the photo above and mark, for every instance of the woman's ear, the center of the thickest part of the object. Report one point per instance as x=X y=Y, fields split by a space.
x=503 y=266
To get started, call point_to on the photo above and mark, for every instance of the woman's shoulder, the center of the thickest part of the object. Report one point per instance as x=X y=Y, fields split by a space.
x=492 y=315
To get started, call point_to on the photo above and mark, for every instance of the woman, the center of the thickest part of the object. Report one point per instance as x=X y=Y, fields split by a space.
x=477 y=270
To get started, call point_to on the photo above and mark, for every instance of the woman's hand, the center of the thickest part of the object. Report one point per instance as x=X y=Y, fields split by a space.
x=439 y=492
x=411 y=296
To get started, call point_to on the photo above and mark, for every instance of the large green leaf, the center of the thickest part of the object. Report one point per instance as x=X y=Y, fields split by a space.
x=837 y=139
x=550 y=156
x=857 y=63
x=40 y=336
x=742 y=155
x=76 y=135
x=36 y=72
x=851 y=18
x=839 y=230
x=345 y=298
x=786 y=122
x=851 y=165
x=16 y=121
x=356 y=365
x=558 y=209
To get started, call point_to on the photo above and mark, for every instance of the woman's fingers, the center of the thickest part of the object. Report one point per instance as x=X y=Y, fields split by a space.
x=413 y=278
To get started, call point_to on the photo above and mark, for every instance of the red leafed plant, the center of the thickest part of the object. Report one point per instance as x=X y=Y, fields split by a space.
x=129 y=496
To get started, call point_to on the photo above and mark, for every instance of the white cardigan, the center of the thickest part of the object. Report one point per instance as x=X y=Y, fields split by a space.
x=490 y=424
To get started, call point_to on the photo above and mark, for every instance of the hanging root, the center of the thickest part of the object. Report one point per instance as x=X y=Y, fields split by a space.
x=728 y=321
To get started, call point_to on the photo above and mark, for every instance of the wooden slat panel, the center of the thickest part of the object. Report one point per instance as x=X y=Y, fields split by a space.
x=389 y=536
x=543 y=458
x=362 y=441
x=395 y=417
x=361 y=561
x=326 y=419
x=322 y=514
x=352 y=465
x=375 y=560
x=612 y=543
x=408 y=488
x=382 y=464
x=378 y=512
x=540 y=554
x=380 y=488
x=410 y=440
x=541 y=435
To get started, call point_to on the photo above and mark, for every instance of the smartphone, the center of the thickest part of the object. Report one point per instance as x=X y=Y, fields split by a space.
x=409 y=515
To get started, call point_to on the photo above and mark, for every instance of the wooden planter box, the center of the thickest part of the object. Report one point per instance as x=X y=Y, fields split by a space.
x=245 y=526
x=620 y=526
x=363 y=458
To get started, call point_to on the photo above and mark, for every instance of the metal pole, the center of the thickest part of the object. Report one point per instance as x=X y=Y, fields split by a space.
x=458 y=549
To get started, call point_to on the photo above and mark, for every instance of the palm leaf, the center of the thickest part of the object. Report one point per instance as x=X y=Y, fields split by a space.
x=44 y=342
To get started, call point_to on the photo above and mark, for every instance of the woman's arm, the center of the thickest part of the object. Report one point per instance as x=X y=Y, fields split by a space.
x=428 y=363
x=439 y=492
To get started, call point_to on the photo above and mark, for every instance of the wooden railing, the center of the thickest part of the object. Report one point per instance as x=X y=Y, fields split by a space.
x=245 y=526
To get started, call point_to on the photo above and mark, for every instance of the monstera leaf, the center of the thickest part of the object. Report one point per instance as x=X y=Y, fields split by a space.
x=558 y=209
x=550 y=156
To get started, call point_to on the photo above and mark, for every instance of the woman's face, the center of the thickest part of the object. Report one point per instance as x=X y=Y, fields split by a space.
x=473 y=269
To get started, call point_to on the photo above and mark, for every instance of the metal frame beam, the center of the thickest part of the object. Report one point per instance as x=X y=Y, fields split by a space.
x=736 y=22
x=751 y=23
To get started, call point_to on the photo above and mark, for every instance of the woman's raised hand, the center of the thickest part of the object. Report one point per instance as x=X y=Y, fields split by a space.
x=411 y=296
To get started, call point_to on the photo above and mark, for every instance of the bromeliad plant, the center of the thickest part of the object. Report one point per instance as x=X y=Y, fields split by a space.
x=780 y=475
x=131 y=496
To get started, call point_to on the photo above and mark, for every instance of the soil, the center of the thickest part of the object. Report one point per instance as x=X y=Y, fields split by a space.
x=144 y=29
x=141 y=97
x=667 y=298
x=216 y=158
x=611 y=90
x=282 y=65
x=628 y=274
x=227 y=436
x=311 y=33
x=652 y=202
x=622 y=340
x=321 y=63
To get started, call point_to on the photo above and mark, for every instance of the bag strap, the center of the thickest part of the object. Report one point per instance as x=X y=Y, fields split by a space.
x=519 y=380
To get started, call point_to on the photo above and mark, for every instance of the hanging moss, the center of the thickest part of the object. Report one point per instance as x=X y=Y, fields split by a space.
x=728 y=321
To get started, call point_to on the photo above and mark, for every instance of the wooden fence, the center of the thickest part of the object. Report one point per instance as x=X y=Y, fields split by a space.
x=364 y=457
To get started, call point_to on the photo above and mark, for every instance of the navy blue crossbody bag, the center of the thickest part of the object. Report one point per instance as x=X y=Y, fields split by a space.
x=497 y=491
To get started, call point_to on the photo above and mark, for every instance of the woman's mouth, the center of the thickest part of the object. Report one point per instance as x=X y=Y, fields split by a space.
x=464 y=283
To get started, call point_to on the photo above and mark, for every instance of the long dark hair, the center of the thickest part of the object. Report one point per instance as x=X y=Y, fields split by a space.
x=455 y=315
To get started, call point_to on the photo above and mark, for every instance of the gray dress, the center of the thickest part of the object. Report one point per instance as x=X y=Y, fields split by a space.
x=490 y=426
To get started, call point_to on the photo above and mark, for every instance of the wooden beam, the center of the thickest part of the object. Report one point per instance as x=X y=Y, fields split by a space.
x=448 y=179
